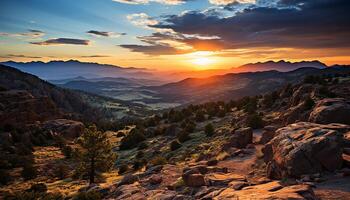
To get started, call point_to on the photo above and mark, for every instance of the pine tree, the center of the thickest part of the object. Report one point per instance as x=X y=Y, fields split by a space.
x=96 y=153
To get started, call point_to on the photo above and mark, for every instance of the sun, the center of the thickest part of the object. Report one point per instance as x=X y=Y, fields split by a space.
x=202 y=61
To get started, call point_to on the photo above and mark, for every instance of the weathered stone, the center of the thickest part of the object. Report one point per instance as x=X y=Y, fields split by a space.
x=335 y=110
x=273 y=190
x=155 y=179
x=241 y=138
x=237 y=185
x=64 y=127
x=304 y=148
x=128 y=179
x=267 y=134
x=194 y=180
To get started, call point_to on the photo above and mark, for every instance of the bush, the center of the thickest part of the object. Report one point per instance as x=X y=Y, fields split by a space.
x=209 y=130
x=174 y=145
x=159 y=160
x=39 y=188
x=62 y=171
x=255 y=121
x=5 y=177
x=183 y=136
x=123 y=169
x=67 y=151
x=309 y=103
x=132 y=139
x=142 y=145
x=29 y=171
x=91 y=195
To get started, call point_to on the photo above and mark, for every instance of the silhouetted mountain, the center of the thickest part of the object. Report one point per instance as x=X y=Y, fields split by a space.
x=55 y=70
x=281 y=66
x=235 y=85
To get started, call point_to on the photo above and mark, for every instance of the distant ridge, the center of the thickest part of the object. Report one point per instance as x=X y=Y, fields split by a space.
x=281 y=66
x=54 y=70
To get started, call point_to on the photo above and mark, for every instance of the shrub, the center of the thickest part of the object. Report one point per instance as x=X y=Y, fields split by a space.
x=183 y=136
x=159 y=160
x=174 y=145
x=255 y=121
x=29 y=171
x=132 y=139
x=67 y=151
x=39 y=188
x=123 y=169
x=209 y=130
x=61 y=171
x=140 y=154
x=142 y=145
x=5 y=177
x=200 y=116
x=91 y=195
x=309 y=103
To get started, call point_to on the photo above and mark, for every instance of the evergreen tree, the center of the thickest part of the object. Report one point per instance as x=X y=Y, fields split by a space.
x=96 y=153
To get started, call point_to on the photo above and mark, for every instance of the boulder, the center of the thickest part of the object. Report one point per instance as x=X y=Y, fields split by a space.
x=304 y=148
x=155 y=179
x=193 y=178
x=128 y=179
x=272 y=190
x=241 y=137
x=66 y=128
x=335 y=110
x=267 y=134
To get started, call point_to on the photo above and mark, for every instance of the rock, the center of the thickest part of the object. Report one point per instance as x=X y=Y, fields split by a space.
x=212 y=162
x=346 y=151
x=301 y=94
x=155 y=179
x=272 y=190
x=132 y=191
x=346 y=160
x=241 y=138
x=304 y=148
x=197 y=169
x=20 y=108
x=220 y=179
x=335 y=110
x=64 y=127
x=237 y=185
x=193 y=178
x=267 y=134
x=128 y=179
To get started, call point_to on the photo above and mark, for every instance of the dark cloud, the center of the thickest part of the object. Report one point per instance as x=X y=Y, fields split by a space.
x=293 y=24
x=95 y=56
x=105 y=33
x=154 y=50
x=19 y=56
x=63 y=41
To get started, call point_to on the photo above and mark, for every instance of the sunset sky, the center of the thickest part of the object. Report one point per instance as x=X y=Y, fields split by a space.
x=175 y=34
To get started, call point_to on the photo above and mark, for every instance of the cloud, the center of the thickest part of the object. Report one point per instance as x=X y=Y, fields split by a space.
x=105 y=33
x=153 y=50
x=95 y=56
x=63 y=41
x=167 y=2
x=141 y=19
x=19 y=56
x=31 y=33
x=227 y=2
x=294 y=24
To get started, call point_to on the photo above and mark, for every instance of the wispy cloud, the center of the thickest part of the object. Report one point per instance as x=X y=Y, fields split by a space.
x=227 y=2
x=104 y=33
x=31 y=33
x=168 y=2
x=19 y=56
x=95 y=56
x=58 y=41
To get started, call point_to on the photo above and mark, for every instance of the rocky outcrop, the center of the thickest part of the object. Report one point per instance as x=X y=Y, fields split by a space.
x=241 y=138
x=267 y=134
x=271 y=190
x=19 y=108
x=64 y=127
x=335 y=110
x=304 y=148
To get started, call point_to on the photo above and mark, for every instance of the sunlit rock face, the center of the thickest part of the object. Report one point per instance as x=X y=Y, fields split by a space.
x=304 y=148
x=335 y=110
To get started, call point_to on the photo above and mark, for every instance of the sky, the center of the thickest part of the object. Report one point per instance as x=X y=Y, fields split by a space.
x=175 y=34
